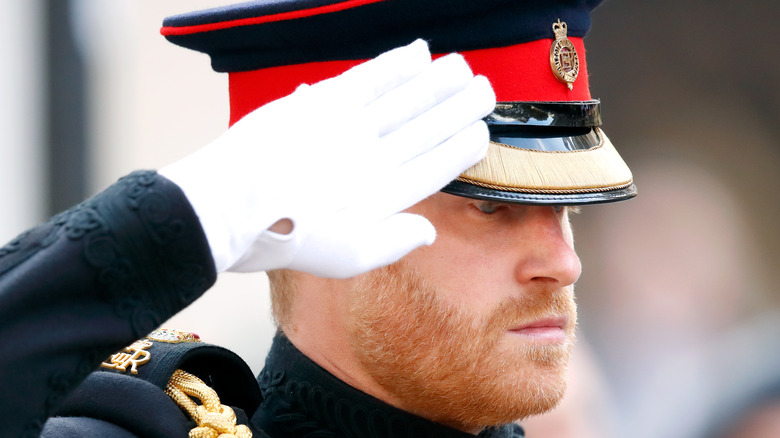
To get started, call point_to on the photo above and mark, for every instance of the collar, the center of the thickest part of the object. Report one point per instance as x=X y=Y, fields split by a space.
x=301 y=399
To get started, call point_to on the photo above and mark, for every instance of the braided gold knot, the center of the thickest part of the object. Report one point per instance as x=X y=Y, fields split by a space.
x=214 y=419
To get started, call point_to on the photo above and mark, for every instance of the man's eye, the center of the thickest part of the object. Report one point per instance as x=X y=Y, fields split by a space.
x=487 y=207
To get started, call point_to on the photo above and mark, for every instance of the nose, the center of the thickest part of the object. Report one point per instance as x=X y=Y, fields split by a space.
x=548 y=249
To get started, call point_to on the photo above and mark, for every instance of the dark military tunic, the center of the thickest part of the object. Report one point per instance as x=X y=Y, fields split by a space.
x=89 y=282
x=301 y=399
x=107 y=272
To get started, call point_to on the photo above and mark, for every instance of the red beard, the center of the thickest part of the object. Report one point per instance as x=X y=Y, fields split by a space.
x=439 y=361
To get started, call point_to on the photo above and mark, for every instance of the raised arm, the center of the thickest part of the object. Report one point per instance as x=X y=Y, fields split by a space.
x=387 y=134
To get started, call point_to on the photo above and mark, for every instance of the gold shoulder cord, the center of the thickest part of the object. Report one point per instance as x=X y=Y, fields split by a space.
x=214 y=419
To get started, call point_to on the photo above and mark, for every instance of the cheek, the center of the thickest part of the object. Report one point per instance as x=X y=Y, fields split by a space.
x=463 y=273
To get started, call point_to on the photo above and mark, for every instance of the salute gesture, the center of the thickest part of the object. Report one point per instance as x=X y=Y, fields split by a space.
x=339 y=160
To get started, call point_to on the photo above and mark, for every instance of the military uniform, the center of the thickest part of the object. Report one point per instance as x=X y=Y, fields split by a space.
x=76 y=290
x=292 y=397
x=89 y=282
x=82 y=291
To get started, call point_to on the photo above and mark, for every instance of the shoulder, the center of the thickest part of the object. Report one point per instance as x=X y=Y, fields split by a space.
x=132 y=393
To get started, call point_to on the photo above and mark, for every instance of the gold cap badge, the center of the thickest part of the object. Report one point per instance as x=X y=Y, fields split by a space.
x=564 y=61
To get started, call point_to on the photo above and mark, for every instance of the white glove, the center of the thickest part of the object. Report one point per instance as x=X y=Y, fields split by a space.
x=340 y=159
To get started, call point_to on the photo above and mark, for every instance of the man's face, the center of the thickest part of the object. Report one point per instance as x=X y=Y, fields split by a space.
x=476 y=329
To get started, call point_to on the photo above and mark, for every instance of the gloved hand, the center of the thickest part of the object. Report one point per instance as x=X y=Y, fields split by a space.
x=340 y=159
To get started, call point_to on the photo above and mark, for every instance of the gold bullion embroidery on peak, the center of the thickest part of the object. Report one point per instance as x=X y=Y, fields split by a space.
x=564 y=61
x=133 y=356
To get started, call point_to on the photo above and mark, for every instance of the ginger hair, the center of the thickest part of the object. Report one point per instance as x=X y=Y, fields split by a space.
x=282 y=286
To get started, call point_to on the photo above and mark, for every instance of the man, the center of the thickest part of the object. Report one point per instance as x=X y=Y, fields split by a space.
x=332 y=189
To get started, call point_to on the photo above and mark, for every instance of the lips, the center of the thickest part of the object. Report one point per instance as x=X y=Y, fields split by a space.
x=551 y=329
x=552 y=322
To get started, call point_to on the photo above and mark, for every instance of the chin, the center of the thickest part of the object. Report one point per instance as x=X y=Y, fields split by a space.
x=521 y=398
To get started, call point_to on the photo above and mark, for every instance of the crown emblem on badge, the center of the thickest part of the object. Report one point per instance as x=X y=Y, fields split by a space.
x=564 y=61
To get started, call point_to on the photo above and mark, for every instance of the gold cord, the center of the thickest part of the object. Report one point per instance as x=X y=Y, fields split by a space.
x=214 y=419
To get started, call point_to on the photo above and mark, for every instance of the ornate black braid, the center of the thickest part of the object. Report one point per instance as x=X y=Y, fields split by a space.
x=137 y=248
x=128 y=277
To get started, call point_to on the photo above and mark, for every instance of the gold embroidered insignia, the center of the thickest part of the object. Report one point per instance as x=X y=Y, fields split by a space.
x=564 y=61
x=172 y=336
x=133 y=356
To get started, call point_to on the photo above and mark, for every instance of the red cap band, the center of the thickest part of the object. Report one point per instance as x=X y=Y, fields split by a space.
x=518 y=73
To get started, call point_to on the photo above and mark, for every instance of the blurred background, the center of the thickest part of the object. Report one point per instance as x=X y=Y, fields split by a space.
x=679 y=326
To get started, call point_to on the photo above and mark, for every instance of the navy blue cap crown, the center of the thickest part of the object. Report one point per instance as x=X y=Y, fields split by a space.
x=299 y=31
x=532 y=51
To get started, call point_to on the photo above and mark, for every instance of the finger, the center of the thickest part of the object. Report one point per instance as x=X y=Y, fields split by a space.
x=364 y=83
x=441 y=79
x=357 y=247
x=426 y=174
x=439 y=123
x=387 y=241
x=451 y=158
